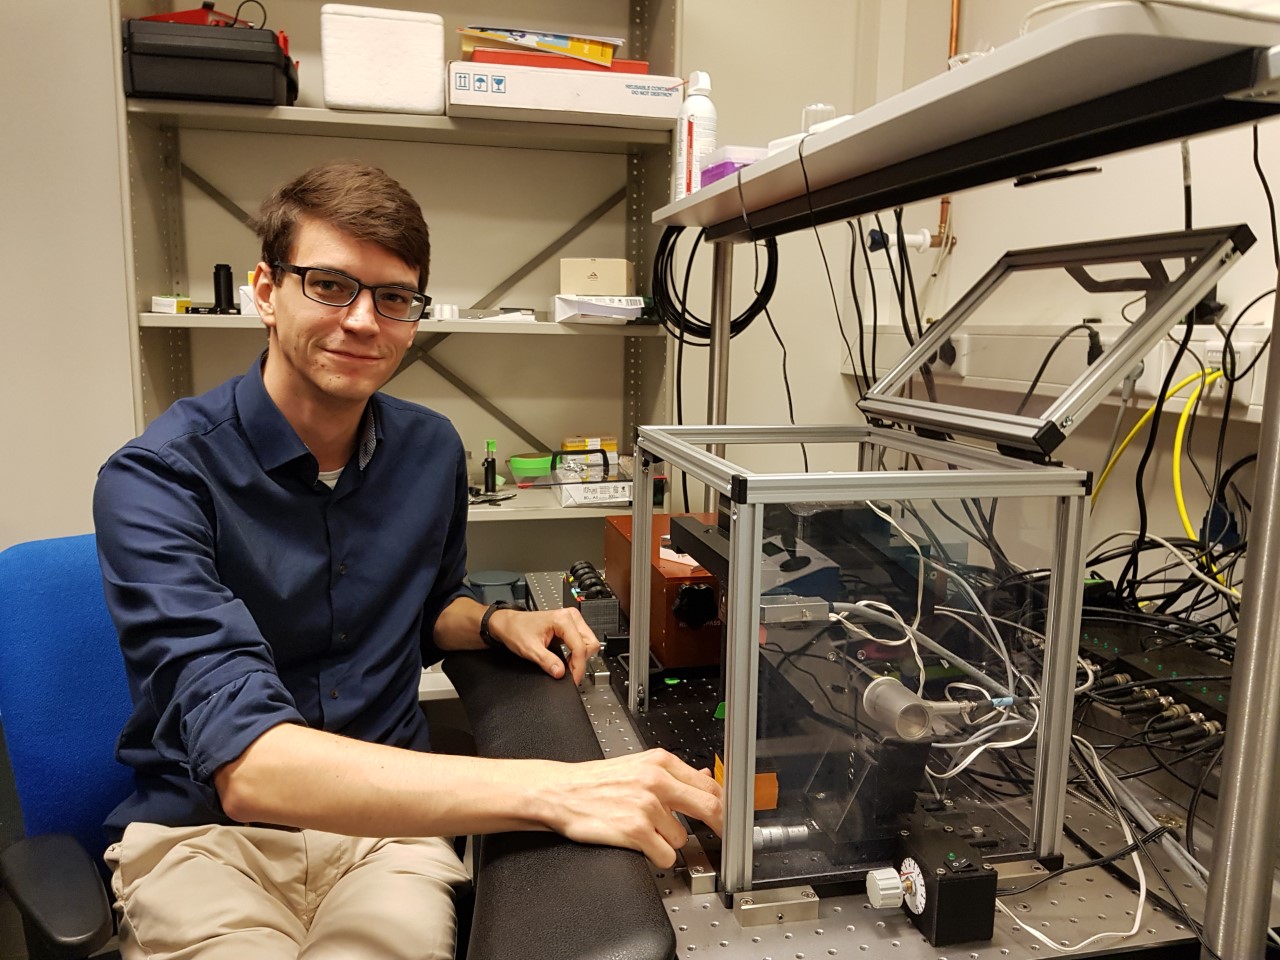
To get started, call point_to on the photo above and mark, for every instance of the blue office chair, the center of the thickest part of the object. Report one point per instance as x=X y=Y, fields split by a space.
x=63 y=701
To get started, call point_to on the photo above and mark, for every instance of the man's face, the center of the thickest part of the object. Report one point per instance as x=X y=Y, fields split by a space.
x=326 y=355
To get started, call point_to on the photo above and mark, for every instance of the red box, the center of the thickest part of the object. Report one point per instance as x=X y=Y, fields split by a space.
x=538 y=58
x=673 y=643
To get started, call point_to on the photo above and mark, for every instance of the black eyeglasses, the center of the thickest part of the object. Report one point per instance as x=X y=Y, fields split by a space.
x=336 y=289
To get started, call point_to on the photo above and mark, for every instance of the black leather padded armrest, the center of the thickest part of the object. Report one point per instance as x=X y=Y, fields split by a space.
x=59 y=893
x=538 y=895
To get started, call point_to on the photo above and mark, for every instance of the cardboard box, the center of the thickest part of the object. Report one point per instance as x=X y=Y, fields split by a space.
x=376 y=59
x=597 y=277
x=564 y=96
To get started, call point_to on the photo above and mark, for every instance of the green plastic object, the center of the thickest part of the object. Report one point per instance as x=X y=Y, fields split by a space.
x=530 y=465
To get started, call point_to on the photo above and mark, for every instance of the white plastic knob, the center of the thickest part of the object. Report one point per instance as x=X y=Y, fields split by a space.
x=884 y=888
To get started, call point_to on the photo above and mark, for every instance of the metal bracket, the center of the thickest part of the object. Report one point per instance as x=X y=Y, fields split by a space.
x=784 y=905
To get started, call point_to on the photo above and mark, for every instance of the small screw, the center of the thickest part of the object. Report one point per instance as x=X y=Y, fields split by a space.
x=986 y=866
x=746 y=902
x=808 y=894
x=695 y=869
x=781 y=918
x=940 y=871
x=904 y=833
x=948 y=829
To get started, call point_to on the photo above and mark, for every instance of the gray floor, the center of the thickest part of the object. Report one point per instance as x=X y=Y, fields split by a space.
x=11 y=947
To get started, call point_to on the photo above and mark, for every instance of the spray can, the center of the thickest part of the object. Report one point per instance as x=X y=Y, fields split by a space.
x=695 y=136
x=490 y=465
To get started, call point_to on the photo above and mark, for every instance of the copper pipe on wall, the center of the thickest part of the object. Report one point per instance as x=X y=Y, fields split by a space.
x=944 y=212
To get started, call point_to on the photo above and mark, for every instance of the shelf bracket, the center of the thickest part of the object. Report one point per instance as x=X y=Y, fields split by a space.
x=420 y=354
x=550 y=250
x=217 y=196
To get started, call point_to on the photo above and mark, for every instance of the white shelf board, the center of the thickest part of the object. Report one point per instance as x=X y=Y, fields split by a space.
x=413 y=128
x=511 y=327
x=539 y=503
x=1079 y=58
x=204 y=321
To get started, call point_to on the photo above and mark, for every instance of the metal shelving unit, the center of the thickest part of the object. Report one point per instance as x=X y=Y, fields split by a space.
x=163 y=351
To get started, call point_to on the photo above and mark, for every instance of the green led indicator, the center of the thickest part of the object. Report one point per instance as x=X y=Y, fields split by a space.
x=671 y=681
x=1221 y=698
x=951 y=856
x=1159 y=668
x=1174 y=674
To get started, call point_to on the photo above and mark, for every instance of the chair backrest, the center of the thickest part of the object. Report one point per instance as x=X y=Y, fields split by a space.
x=63 y=693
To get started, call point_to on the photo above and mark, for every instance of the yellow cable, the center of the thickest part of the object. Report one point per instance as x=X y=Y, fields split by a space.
x=1183 y=420
x=1137 y=428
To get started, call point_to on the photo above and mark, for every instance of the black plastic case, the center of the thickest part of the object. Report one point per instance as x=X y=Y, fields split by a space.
x=182 y=61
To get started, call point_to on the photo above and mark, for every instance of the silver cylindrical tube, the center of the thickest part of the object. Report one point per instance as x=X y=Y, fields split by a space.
x=897 y=709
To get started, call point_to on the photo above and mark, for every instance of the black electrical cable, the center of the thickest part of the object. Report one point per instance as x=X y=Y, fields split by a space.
x=1271 y=203
x=1241 y=374
x=786 y=381
x=904 y=263
x=1192 y=804
x=1048 y=357
x=857 y=303
x=875 y=303
x=1112 y=857
x=1130 y=568
x=835 y=301
x=243 y=4
x=672 y=309
x=898 y=292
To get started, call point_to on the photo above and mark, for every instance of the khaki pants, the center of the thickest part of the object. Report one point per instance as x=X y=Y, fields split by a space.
x=215 y=892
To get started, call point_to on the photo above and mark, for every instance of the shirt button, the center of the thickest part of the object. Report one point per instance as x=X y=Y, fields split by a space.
x=342 y=638
x=342 y=568
x=333 y=694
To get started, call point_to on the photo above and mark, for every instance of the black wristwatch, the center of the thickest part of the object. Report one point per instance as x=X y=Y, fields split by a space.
x=489 y=639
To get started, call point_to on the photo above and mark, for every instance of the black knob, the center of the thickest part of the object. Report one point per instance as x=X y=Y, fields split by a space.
x=695 y=605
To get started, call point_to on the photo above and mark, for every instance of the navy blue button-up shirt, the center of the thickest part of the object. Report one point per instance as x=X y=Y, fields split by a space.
x=248 y=594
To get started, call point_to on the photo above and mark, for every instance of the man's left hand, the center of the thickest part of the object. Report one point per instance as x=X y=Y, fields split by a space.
x=530 y=634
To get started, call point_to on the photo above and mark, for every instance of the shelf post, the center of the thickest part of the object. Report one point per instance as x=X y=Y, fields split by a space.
x=718 y=345
x=1248 y=814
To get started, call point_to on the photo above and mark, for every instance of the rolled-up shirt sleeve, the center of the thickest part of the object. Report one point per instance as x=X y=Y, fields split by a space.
x=451 y=583
x=197 y=662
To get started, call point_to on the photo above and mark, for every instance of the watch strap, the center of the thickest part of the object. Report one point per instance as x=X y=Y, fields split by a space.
x=485 y=634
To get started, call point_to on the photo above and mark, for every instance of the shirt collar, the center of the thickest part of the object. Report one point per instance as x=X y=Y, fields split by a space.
x=273 y=439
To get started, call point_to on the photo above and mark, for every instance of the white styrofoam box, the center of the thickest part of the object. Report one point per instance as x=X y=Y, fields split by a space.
x=376 y=59
x=505 y=92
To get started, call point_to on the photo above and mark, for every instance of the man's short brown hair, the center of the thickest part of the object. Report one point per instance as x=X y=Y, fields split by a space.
x=356 y=198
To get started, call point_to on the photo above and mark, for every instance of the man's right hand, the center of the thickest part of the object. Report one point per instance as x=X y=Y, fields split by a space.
x=630 y=801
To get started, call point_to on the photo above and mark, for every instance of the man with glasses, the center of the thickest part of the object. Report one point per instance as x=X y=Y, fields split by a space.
x=277 y=553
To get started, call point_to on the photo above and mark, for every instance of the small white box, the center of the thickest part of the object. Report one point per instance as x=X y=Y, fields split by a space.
x=597 y=277
x=564 y=96
x=173 y=304
x=607 y=493
x=375 y=59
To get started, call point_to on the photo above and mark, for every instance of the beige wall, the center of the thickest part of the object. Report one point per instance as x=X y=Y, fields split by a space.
x=65 y=397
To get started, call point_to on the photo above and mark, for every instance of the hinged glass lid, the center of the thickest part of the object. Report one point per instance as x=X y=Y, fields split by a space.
x=1055 y=330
